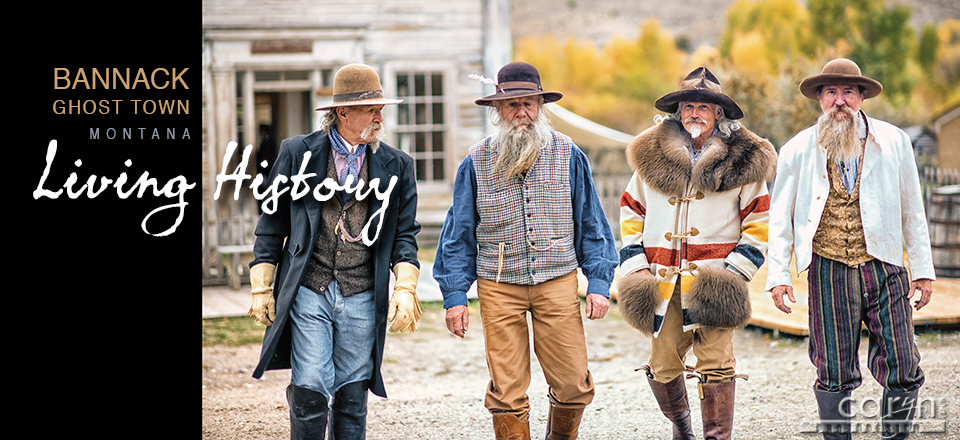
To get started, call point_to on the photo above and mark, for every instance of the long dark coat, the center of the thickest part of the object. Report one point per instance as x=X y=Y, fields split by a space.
x=287 y=236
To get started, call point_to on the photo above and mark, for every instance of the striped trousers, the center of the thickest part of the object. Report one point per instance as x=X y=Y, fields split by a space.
x=874 y=294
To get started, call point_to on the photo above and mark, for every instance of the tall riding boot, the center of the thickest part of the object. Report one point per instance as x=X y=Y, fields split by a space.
x=349 y=418
x=672 y=397
x=308 y=413
x=899 y=409
x=511 y=427
x=563 y=423
x=835 y=415
x=716 y=409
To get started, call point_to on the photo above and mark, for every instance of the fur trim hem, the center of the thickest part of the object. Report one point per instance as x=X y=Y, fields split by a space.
x=638 y=298
x=660 y=156
x=719 y=298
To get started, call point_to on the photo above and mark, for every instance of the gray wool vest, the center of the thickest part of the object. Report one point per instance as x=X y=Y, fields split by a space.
x=525 y=232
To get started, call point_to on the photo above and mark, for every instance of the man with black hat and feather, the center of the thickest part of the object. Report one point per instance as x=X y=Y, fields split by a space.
x=525 y=216
x=693 y=221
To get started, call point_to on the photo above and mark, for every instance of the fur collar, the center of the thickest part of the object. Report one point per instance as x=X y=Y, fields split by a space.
x=659 y=155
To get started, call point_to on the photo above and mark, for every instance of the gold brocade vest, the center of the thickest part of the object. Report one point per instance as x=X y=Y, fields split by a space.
x=839 y=236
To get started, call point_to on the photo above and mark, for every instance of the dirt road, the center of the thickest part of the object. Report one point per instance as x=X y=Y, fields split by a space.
x=435 y=384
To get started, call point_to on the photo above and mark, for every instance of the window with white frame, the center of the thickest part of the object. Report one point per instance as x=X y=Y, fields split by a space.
x=420 y=122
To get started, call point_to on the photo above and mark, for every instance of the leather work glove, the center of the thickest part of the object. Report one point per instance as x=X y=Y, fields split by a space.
x=263 y=307
x=405 y=308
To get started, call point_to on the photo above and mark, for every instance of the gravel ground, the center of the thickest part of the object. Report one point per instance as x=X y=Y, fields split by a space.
x=435 y=384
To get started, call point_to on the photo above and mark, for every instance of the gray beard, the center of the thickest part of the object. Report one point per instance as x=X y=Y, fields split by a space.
x=518 y=147
x=839 y=138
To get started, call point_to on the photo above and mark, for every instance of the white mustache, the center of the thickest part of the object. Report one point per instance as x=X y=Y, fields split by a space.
x=370 y=130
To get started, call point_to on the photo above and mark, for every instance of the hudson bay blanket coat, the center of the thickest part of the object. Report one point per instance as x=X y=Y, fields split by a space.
x=703 y=225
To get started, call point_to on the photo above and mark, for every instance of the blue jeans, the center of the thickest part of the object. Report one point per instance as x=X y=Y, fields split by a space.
x=333 y=338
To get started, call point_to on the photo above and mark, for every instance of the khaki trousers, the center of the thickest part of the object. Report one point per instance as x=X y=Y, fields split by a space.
x=558 y=342
x=713 y=348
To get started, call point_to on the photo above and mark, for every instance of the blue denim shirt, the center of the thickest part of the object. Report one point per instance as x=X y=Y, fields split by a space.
x=455 y=264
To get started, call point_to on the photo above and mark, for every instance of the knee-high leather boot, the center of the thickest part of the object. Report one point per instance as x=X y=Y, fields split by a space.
x=511 y=427
x=563 y=423
x=834 y=409
x=899 y=409
x=672 y=398
x=349 y=418
x=716 y=409
x=308 y=413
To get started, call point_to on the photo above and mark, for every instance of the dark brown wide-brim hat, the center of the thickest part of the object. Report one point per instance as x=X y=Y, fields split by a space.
x=840 y=71
x=518 y=80
x=357 y=84
x=700 y=85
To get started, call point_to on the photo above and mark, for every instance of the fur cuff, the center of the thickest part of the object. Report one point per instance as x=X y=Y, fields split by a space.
x=719 y=298
x=638 y=297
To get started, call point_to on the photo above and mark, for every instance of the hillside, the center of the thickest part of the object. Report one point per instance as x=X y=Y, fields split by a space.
x=700 y=21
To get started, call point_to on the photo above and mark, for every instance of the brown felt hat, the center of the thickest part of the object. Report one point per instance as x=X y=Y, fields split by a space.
x=840 y=71
x=357 y=84
x=517 y=80
x=700 y=85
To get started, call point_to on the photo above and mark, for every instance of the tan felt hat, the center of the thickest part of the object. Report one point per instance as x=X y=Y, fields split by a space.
x=840 y=71
x=357 y=84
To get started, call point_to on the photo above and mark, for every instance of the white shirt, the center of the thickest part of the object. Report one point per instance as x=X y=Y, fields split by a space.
x=891 y=203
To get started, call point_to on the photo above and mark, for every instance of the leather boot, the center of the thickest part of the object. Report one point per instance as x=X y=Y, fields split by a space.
x=834 y=409
x=563 y=423
x=511 y=427
x=349 y=418
x=308 y=413
x=672 y=397
x=899 y=409
x=716 y=409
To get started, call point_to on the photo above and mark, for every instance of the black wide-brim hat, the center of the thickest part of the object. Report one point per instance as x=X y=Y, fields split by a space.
x=518 y=80
x=701 y=85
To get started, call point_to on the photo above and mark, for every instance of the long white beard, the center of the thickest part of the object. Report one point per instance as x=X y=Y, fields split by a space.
x=839 y=138
x=519 y=144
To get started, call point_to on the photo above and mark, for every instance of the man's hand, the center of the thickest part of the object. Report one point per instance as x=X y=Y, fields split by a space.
x=458 y=319
x=597 y=306
x=777 y=294
x=925 y=286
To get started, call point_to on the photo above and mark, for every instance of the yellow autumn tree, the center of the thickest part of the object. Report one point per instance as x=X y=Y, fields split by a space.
x=614 y=86
x=761 y=34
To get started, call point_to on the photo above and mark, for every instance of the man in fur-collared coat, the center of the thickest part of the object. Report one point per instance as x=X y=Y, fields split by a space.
x=693 y=221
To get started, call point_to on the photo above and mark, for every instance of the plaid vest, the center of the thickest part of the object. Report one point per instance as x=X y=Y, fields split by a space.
x=525 y=232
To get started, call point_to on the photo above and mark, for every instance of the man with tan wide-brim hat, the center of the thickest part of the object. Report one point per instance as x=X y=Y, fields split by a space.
x=693 y=222
x=328 y=305
x=847 y=203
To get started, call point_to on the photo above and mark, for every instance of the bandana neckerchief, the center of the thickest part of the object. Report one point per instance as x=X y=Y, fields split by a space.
x=340 y=146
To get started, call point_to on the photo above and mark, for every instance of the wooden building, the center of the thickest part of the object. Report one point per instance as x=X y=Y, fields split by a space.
x=271 y=64
x=946 y=122
x=268 y=65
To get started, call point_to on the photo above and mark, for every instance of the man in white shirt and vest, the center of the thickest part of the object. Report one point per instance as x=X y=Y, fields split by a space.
x=847 y=203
